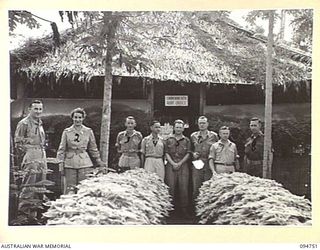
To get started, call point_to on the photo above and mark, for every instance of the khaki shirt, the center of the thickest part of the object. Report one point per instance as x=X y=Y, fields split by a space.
x=74 y=146
x=202 y=144
x=225 y=153
x=29 y=133
x=254 y=147
x=177 y=149
x=149 y=149
x=129 y=144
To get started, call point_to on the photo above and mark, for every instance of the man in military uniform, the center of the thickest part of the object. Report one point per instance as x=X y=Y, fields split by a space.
x=201 y=143
x=128 y=145
x=253 y=158
x=223 y=157
x=177 y=150
x=30 y=141
x=152 y=151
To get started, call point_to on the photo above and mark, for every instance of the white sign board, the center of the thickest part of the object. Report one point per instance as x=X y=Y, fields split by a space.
x=176 y=100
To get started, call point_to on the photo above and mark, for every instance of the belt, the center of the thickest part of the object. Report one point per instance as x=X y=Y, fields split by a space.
x=254 y=162
x=156 y=157
x=34 y=147
x=224 y=164
x=77 y=151
x=130 y=154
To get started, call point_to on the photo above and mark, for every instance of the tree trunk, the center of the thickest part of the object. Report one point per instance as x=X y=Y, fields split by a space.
x=282 y=24
x=110 y=27
x=267 y=154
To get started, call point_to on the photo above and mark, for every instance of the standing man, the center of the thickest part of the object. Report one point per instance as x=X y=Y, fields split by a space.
x=223 y=157
x=152 y=149
x=30 y=141
x=253 y=158
x=128 y=144
x=177 y=152
x=201 y=142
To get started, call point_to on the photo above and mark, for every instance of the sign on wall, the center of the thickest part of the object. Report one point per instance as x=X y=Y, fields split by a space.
x=176 y=100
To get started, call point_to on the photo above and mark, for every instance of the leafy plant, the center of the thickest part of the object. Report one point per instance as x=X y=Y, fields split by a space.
x=26 y=200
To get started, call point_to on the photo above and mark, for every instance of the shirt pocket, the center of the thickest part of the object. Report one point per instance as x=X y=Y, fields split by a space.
x=123 y=140
x=70 y=155
x=219 y=149
x=136 y=140
x=84 y=155
x=149 y=147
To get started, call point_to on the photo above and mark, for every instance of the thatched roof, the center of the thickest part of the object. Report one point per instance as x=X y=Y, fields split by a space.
x=184 y=48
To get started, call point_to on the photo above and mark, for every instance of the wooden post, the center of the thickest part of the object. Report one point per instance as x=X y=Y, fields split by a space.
x=267 y=154
x=202 y=100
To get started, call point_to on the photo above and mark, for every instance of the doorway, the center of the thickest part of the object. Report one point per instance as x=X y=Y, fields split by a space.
x=173 y=101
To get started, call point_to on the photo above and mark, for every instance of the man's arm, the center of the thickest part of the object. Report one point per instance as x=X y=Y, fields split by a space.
x=118 y=146
x=19 y=137
x=212 y=157
x=187 y=156
x=236 y=159
x=172 y=163
x=143 y=152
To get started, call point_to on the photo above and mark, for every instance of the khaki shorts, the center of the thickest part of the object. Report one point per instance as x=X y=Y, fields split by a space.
x=131 y=162
x=220 y=169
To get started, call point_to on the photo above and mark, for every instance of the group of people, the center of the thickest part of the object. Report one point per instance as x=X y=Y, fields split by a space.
x=169 y=158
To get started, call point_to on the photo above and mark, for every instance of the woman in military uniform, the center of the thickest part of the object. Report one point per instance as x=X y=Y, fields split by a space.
x=77 y=142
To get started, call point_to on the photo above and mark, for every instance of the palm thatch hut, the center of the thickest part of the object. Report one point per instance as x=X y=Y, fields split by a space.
x=167 y=65
x=204 y=56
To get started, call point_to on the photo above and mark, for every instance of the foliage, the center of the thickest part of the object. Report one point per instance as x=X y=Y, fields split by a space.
x=179 y=46
x=116 y=199
x=26 y=200
x=302 y=23
x=22 y=17
x=302 y=26
x=241 y=199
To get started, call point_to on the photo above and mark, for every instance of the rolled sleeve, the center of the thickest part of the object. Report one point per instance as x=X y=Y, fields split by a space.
x=143 y=146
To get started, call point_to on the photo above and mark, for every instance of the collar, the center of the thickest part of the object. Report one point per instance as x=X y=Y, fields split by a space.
x=227 y=143
x=173 y=136
x=133 y=133
x=74 y=129
x=36 y=122
x=151 y=137
x=209 y=134
x=260 y=134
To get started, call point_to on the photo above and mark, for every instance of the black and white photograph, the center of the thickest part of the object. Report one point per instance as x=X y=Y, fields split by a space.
x=160 y=117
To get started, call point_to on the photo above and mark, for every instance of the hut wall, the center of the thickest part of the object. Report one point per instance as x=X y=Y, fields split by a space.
x=285 y=111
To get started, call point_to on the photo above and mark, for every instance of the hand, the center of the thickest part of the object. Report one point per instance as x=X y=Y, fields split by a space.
x=101 y=164
x=237 y=166
x=195 y=155
x=214 y=173
x=102 y=170
x=176 y=166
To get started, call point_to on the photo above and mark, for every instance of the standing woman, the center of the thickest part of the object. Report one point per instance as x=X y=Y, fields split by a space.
x=152 y=149
x=77 y=142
